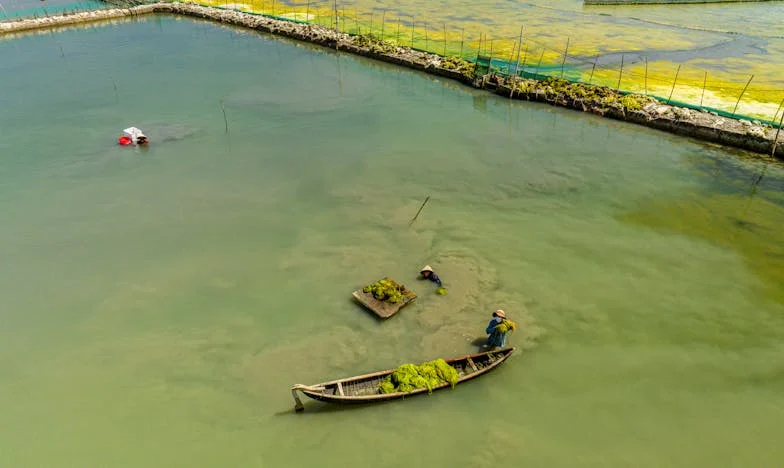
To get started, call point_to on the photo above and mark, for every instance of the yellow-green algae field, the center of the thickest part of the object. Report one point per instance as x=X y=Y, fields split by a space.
x=718 y=47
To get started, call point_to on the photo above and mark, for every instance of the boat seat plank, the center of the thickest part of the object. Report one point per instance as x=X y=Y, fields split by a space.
x=340 y=389
x=471 y=363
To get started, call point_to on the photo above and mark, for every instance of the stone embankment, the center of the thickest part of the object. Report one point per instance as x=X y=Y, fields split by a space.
x=744 y=134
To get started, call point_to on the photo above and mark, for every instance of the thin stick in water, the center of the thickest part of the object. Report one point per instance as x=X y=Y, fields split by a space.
x=620 y=74
x=673 y=83
x=420 y=210
x=444 y=40
x=116 y=95
x=776 y=138
x=225 y=118
x=519 y=46
x=741 y=94
x=646 y=76
x=566 y=51
x=704 y=83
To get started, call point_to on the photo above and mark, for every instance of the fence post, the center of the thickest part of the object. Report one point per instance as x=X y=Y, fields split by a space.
x=413 y=21
x=776 y=138
x=540 y=61
x=593 y=69
x=337 y=18
x=564 y=57
x=519 y=46
x=490 y=65
x=704 y=83
x=525 y=56
x=741 y=94
x=620 y=73
x=673 y=83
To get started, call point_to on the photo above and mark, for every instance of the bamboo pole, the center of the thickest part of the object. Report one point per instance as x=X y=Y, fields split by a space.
x=519 y=46
x=566 y=50
x=620 y=73
x=776 y=138
x=673 y=83
x=704 y=84
x=593 y=69
x=741 y=94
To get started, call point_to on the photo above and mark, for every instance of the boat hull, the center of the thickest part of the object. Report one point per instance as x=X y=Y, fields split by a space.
x=471 y=366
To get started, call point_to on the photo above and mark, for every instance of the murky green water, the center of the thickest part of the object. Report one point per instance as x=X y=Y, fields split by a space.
x=156 y=305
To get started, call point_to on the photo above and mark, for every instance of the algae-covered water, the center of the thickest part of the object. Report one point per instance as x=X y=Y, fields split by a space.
x=156 y=304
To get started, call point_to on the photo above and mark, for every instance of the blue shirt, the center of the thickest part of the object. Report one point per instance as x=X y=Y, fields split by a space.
x=434 y=278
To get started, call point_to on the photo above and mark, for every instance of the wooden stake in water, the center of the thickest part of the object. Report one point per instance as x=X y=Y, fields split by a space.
x=593 y=69
x=426 y=43
x=398 y=31
x=413 y=21
x=337 y=20
x=519 y=46
x=673 y=83
x=225 y=118
x=371 y=23
x=538 y=65
x=525 y=56
x=420 y=210
x=741 y=94
x=776 y=138
x=566 y=51
x=117 y=96
x=620 y=74
x=383 y=23
x=444 y=54
x=646 y=76
x=704 y=83
x=307 y=11
x=462 y=39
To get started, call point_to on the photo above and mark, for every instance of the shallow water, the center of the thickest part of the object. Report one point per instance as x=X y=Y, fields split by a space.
x=156 y=304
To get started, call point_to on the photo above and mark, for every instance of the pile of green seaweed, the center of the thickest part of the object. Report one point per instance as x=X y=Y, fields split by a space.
x=386 y=290
x=410 y=377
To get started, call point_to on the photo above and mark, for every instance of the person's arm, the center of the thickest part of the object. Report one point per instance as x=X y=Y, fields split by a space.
x=436 y=279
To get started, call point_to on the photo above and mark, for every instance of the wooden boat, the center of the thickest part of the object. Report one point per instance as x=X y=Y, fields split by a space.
x=364 y=388
x=381 y=308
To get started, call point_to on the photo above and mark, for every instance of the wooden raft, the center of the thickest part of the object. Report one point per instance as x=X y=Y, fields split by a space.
x=382 y=308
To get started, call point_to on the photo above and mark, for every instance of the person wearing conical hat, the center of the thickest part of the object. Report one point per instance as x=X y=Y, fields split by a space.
x=429 y=274
x=497 y=334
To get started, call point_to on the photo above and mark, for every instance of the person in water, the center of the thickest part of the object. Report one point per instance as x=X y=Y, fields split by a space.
x=497 y=335
x=428 y=274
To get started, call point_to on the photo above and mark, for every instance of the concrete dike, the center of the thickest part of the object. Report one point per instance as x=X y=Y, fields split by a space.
x=745 y=134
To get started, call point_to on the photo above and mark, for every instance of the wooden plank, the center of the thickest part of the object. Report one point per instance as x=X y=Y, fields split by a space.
x=471 y=363
x=382 y=308
x=340 y=389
